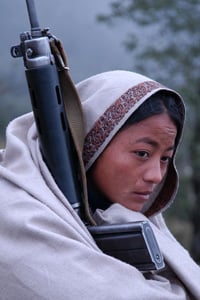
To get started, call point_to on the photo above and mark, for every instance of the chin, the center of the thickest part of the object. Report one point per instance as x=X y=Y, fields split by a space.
x=137 y=208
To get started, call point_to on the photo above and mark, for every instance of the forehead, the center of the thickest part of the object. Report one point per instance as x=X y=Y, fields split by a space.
x=159 y=128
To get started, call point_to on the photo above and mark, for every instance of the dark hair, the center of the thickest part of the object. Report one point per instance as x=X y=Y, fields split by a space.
x=162 y=101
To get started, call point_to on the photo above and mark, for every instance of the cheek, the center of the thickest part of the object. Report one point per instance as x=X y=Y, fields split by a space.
x=113 y=175
x=105 y=172
x=111 y=167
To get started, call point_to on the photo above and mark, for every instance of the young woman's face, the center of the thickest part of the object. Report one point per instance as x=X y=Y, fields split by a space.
x=135 y=161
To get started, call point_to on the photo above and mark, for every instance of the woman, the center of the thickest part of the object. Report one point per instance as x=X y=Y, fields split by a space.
x=46 y=250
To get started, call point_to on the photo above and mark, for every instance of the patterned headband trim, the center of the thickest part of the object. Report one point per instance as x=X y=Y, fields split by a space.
x=113 y=115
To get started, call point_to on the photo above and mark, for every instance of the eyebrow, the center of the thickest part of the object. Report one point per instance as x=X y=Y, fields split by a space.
x=152 y=143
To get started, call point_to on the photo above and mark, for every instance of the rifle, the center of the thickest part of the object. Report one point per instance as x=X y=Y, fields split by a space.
x=42 y=75
x=45 y=64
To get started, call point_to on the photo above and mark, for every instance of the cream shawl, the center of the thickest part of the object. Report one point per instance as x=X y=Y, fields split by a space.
x=46 y=251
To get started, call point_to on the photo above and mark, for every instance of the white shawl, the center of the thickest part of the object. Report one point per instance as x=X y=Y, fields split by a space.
x=46 y=251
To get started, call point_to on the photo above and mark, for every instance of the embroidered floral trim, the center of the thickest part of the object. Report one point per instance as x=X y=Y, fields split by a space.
x=113 y=115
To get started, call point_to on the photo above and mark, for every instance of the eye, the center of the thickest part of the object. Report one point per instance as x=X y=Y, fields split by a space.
x=142 y=154
x=166 y=159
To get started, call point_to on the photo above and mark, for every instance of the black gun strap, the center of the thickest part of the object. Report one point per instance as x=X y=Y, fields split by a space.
x=74 y=114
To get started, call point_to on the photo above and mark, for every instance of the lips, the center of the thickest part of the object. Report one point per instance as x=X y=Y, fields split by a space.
x=143 y=195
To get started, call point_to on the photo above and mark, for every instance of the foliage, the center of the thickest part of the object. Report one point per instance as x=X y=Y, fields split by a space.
x=164 y=34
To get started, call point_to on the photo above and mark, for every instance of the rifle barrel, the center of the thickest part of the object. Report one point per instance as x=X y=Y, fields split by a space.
x=32 y=15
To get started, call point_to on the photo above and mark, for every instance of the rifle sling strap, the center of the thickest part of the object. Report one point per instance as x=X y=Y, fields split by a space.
x=74 y=113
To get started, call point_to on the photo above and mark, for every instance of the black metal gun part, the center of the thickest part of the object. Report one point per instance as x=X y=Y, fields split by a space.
x=133 y=243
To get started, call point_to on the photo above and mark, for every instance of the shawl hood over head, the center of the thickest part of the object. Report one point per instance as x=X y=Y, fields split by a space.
x=108 y=100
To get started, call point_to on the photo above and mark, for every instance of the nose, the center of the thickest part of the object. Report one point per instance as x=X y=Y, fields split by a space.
x=153 y=173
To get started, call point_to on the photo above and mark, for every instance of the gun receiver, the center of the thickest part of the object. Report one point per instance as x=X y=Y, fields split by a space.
x=133 y=243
